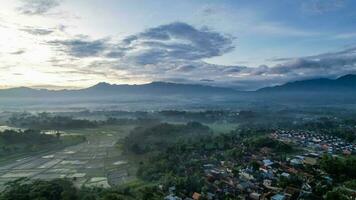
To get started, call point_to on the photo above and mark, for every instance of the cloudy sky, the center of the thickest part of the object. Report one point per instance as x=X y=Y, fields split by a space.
x=245 y=44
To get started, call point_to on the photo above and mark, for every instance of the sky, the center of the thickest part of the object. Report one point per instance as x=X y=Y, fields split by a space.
x=243 y=44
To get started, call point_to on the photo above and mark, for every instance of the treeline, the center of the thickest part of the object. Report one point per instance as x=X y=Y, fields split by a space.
x=29 y=136
x=265 y=141
x=64 y=189
x=12 y=141
x=144 y=139
x=48 y=121
x=341 y=169
x=18 y=141
x=202 y=116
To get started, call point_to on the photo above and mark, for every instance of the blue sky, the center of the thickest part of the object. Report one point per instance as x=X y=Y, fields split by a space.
x=238 y=43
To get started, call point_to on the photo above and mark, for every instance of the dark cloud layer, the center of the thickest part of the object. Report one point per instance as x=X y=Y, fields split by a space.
x=80 y=47
x=38 y=7
x=328 y=65
x=18 y=52
x=37 y=31
x=175 y=42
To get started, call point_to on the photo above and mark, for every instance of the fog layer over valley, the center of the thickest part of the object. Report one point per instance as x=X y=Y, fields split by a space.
x=161 y=95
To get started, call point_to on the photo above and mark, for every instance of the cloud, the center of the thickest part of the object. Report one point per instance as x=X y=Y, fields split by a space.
x=17 y=74
x=37 y=31
x=322 y=6
x=185 y=68
x=206 y=80
x=80 y=47
x=177 y=52
x=345 y=35
x=175 y=42
x=18 y=52
x=173 y=49
x=37 y=7
x=329 y=65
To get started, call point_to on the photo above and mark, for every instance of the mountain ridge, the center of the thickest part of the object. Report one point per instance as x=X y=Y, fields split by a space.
x=114 y=89
x=346 y=83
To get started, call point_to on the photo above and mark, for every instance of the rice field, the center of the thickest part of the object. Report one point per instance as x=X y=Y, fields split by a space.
x=95 y=162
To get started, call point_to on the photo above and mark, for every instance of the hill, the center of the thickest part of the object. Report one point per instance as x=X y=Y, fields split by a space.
x=345 y=83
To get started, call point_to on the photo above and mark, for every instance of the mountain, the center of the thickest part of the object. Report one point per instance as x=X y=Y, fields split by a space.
x=158 y=88
x=111 y=92
x=164 y=95
x=154 y=88
x=322 y=91
x=155 y=95
x=343 y=84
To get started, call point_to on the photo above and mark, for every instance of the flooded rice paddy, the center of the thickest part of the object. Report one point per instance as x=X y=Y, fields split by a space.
x=96 y=162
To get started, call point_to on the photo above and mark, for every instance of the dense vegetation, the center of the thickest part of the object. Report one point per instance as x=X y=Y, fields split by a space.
x=49 y=121
x=339 y=168
x=145 y=139
x=188 y=176
x=264 y=141
x=59 y=189
x=46 y=121
x=12 y=142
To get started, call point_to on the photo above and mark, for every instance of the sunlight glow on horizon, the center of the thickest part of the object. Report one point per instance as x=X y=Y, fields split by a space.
x=244 y=45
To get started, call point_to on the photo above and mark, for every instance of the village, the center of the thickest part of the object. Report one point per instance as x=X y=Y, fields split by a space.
x=316 y=141
x=265 y=175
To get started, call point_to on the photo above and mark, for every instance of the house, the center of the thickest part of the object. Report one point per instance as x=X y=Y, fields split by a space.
x=314 y=155
x=208 y=166
x=278 y=197
x=196 y=196
x=255 y=195
x=292 y=170
x=245 y=175
x=267 y=182
x=286 y=175
x=300 y=157
x=310 y=161
x=296 y=161
x=172 y=197
x=346 y=152
x=243 y=186
x=267 y=162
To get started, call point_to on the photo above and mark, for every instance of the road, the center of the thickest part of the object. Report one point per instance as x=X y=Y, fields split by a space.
x=95 y=162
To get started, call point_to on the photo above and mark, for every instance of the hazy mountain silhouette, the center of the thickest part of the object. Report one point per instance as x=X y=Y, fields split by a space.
x=158 y=88
x=345 y=83
x=154 y=88
x=314 y=91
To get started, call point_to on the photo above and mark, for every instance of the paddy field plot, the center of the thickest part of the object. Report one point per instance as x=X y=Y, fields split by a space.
x=95 y=162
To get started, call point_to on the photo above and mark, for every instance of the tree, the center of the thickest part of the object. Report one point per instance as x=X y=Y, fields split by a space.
x=337 y=194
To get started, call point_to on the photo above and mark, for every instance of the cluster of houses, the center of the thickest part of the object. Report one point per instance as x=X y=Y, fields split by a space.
x=316 y=141
x=265 y=175
x=259 y=182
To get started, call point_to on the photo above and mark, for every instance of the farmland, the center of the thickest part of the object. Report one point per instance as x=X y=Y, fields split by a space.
x=95 y=162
